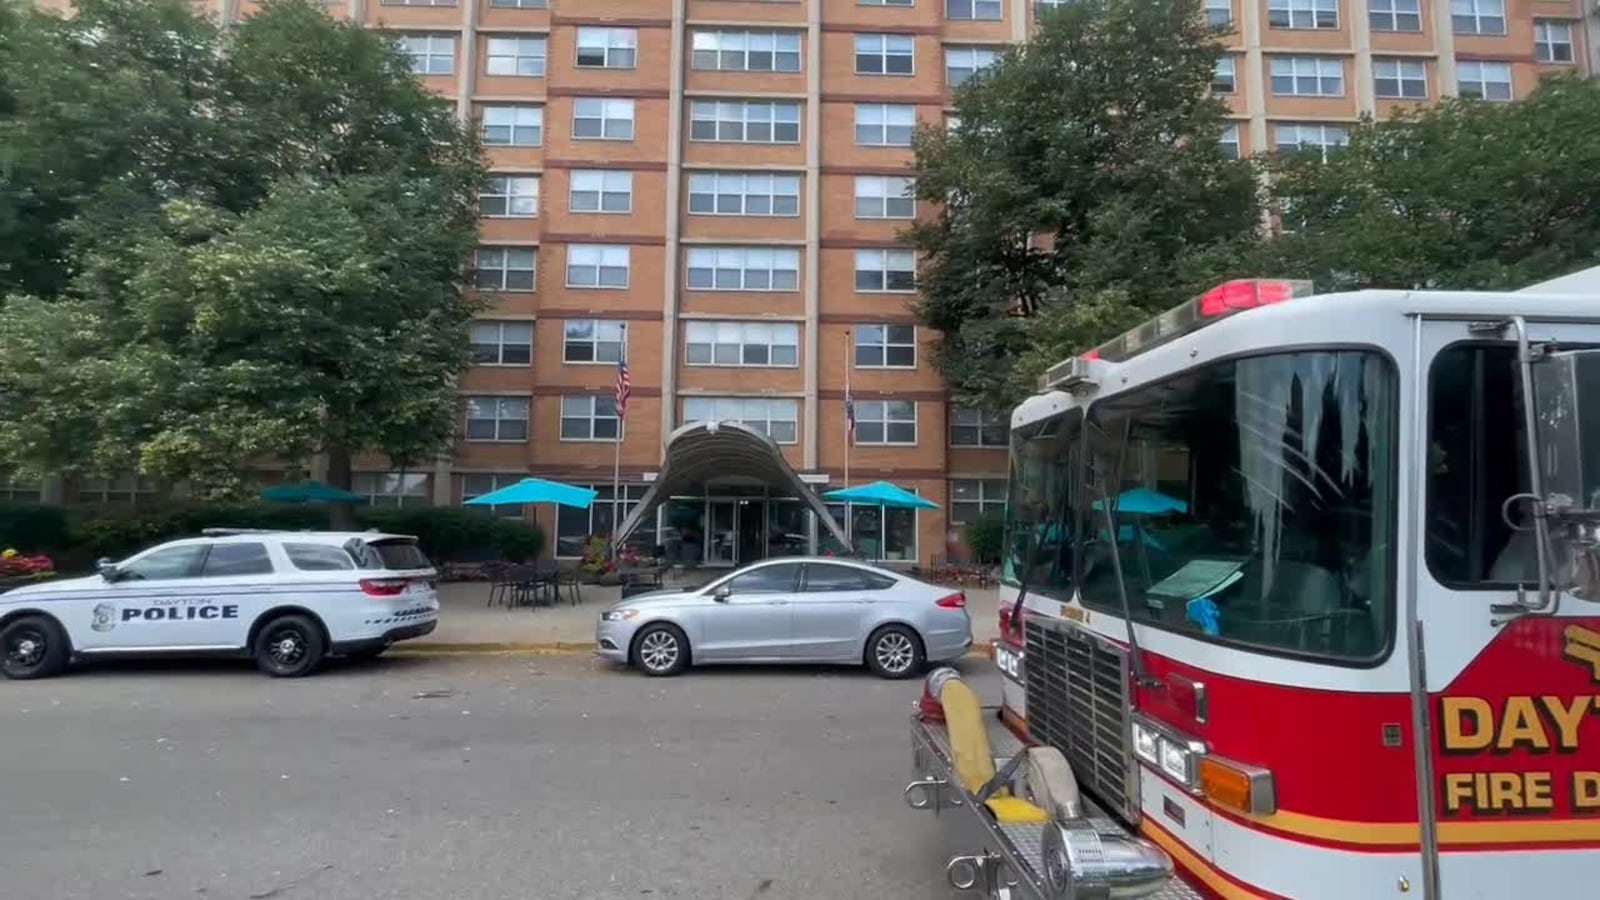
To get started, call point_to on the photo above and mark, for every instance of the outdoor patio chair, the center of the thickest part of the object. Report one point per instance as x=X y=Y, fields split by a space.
x=567 y=577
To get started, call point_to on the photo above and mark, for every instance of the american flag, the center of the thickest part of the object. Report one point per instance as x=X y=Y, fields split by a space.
x=623 y=389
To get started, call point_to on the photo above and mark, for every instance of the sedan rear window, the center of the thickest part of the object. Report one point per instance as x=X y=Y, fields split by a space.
x=318 y=557
x=828 y=577
x=394 y=554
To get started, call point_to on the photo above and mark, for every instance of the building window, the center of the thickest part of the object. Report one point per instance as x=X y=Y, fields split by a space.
x=418 y=3
x=983 y=10
x=1478 y=16
x=509 y=197
x=961 y=63
x=1400 y=79
x=592 y=417
x=597 y=266
x=519 y=4
x=1219 y=13
x=743 y=194
x=608 y=48
x=1041 y=7
x=478 y=485
x=885 y=197
x=502 y=343
x=1322 y=138
x=886 y=422
x=747 y=51
x=391 y=488
x=976 y=428
x=497 y=419
x=972 y=499
x=128 y=490
x=778 y=419
x=1552 y=40
x=519 y=56
x=744 y=121
x=1225 y=79
x=885 y=125
x=1303 y=13
x=600 y=191
x=1230 y=141
x=602 y=119
x=743 y=269
x=513 y=126
x=757 y=344
x=592 y=341
x=885 y=2
x=20 y=490
x=575 y=527
x=1307 y=76
x=431 y=54
x=1395 y=15
x=1483 y=80
x=885 y=54
x=886 y=270
x=878 y=532
x=505 y=268
x=886 y=347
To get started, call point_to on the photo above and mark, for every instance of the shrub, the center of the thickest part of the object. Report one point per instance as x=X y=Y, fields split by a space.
x=986 y=538
x=34 y=529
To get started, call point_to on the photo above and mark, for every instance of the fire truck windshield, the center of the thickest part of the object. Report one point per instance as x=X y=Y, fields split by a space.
x=1252 y=502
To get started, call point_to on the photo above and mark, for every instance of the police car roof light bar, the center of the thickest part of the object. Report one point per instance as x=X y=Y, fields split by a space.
x=1221 y=301
x=224 y=532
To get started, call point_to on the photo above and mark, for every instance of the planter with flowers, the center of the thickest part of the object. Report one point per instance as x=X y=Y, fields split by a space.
x=17 y=570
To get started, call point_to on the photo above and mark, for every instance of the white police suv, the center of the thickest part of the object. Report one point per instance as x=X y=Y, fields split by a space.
x=287 y=599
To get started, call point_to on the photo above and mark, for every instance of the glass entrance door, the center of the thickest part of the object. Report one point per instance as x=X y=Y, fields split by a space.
x=722 y=532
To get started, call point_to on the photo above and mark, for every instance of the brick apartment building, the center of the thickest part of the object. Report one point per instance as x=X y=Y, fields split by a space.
x=717 y=186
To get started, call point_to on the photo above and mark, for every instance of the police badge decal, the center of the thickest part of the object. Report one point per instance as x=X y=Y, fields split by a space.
x=105 y=617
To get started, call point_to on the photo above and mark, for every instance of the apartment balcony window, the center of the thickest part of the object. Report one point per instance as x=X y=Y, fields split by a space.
x=961 y=63
x=497 y=419
x=591 y=417
x=777 y=418
x=1552 y=40
x=886 y=346
x=978 y=428
x=1483 y=80
x=602 y=119
x=473 y=486
x=502 y=343
x=1395 y=15
x=743 y=194
x=1225 y=80
x=885 y=197
x=744 y=121
x=505 y=268
x=604 y=266
x=509 y=197
x=523 y=57
x=886 y=423
x=886 y=54
x=1229 y=140
x=430 y=54
x=981 y=10
x=974 y=499
x=391 y=488
x=608 y=48
x=885 y=124
x=744 y=344
x=1307 y=76
x=600 y=191
x=1297 y=14
x=1293 y=137
x=1400 y=79
x=1478 y=16
x=746 y=51
x=592 y=341
x=886 y=270
x=513 y=126
x=743 y=269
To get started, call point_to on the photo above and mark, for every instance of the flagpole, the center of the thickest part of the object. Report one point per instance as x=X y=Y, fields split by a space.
x=849 y=425
x=616 y=450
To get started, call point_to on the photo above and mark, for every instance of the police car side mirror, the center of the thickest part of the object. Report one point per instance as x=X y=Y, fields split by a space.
x=108 y=570
x=722 y=593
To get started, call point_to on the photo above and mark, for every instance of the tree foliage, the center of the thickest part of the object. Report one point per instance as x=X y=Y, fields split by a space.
x=1465 y=195
x=1083 y=187
x=225 y=246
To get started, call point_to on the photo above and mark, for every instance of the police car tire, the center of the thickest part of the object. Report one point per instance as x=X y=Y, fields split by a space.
x=51 y=662
x=312 y=646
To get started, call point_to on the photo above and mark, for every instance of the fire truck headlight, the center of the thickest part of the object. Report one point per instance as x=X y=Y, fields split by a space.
x=1176 y=762
x=1146 y=744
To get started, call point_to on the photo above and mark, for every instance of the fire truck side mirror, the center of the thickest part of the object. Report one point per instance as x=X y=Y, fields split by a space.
x=1567 y=433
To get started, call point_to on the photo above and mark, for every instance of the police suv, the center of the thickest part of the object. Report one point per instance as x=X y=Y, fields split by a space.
x=287 y=599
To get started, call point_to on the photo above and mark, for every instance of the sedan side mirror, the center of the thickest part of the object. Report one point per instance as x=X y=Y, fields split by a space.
x=108 y=569
x=722 y=593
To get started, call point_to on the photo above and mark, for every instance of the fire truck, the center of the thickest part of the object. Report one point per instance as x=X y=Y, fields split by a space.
x=1301 y=599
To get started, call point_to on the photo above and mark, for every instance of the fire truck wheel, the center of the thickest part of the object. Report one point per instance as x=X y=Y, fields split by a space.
x=33 y=647
x=894 y=651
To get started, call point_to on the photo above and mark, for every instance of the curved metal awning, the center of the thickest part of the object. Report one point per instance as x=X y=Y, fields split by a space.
x=701 y=455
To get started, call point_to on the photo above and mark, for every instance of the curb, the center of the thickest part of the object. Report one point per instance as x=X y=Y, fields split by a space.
x=553 y=648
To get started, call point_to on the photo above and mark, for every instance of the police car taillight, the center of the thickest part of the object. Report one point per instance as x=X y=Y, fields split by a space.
x=383 y=587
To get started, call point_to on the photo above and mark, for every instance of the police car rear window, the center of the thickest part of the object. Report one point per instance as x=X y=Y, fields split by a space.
x=236 y=559
x=390 y=554
x=318 y=558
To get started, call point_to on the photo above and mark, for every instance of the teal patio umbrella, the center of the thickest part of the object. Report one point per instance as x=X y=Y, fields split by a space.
x=309 y=492
x=537 y=490
x=880 y=493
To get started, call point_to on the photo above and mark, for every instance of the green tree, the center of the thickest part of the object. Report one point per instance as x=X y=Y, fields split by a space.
x=1465 y=195
x=1083 y=188
x=288 y=283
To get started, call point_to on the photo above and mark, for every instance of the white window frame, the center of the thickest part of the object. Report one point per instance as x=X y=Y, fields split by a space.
x=880 y=341
x=494 y=333
x=884 y=262
x=417 y=3
x=770 y=187
x=979 y=422
x=618 y=48
x=990 y=499
x=885 y=197
x=874 y=122
x=427 y=51
x=590 y=409
x=876 y=413
x=495 y=481
x=760 y=413
x=773 y=114
x=612 y=190
x=1225 y=80
x=727 y=344
x=606 y=339
x=1225 y=8
x=511 y=259
x=600 y=258
x=738 y=51
x=901 y=3
x=1477 y=74
x=615 y=116
x=973 y=60
x=750 y=264
x=886 y=54
x=1298 y=15
x=1486 y=17
x=1232 y=148
x=1550 y=36
x=974 y=10
x=1322 y=130
x=519 y=193
x=517 y=56
x=524 y=128
x=1395 y=16
x=501 y=410
x=1410 y=78
x=128 y=490
x=391 y=489
x=1307 y=76
x=519 y=4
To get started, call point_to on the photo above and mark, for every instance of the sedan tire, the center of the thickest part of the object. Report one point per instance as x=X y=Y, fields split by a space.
x=33 y=647
x=895 y=651
x=661 y=650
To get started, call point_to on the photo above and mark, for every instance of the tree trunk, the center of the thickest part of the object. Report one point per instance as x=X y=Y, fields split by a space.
x=341 y=516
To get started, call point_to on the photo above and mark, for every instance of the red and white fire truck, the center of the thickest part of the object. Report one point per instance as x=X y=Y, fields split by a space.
x=1301 y=599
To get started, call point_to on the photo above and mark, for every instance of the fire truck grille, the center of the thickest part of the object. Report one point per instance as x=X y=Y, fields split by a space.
x=1078 y=703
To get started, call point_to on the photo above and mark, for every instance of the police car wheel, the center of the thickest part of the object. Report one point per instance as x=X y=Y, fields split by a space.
x=289 y=647
x=33 y=647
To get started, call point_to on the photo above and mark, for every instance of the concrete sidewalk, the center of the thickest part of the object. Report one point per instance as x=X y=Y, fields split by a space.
x=467 y=623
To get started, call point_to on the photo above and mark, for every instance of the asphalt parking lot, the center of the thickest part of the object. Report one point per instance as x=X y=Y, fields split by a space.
x=527 y=777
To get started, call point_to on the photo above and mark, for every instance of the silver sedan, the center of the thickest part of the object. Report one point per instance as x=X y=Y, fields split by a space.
x=792 y=610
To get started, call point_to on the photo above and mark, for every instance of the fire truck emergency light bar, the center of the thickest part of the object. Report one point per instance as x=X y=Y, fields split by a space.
x=1220 y=302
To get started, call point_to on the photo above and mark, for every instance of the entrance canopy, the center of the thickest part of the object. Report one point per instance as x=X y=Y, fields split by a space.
x=702 y=455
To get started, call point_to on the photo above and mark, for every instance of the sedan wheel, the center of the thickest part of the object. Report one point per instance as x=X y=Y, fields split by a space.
x=32 y=647
x=894 y=651
x=661 y=650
